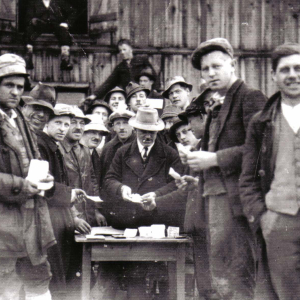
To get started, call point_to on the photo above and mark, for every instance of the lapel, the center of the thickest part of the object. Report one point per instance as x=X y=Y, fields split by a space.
x=133 y=159
x=8 y=133
x=156 y=161
x=228 y=102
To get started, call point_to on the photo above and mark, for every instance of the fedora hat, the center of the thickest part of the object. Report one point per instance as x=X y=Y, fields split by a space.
x=114 y=90
x=146 y=72
x=43 y=95
x=121 y=113
x=177 y=123
x=175 y=80
x=96 y=103
x=78 y=113
x=208 y=46
x=12 y=64
x=133 y=88
x=96 y=124
x=170 y=111
x=147 y=119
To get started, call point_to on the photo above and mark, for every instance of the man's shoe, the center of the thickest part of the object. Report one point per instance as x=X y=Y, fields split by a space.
x=65 y=64
x=28 y=60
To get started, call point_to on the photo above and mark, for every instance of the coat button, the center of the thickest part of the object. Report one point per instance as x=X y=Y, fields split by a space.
x=251 y=219
x=150 y=179
x=261 y=173
x=16 y=190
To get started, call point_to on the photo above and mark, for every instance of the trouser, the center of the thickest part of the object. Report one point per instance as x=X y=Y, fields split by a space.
x=61 y=33
x=18 y=272
x=230 y=253
x=282 y=236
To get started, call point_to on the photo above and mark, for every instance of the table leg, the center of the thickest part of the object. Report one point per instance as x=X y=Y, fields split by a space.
x=172 y=279
x=180 y=274
x=86 y=272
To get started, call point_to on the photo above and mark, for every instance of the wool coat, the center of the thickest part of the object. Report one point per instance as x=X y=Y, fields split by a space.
x=25 y=227
x=127 y=169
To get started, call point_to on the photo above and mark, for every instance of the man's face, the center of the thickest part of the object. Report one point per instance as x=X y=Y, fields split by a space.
x=146 y=82
x=76 y=129
x=137 y=99
x=217 y=69
x=185 y=136
x=91 y=138
x=102 y=112
x=36 y=115
x=287 y=76
x=58 y=127
x=146 y=138
x=11 y=90
x=197 y=124
x=168 y=123
x=122 y=128
x=179 y=95
x=126 y=52
x=116 y=101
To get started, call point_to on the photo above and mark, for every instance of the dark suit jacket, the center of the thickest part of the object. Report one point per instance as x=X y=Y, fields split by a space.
x=240 y=104
x=123 y=74
x=127 y=169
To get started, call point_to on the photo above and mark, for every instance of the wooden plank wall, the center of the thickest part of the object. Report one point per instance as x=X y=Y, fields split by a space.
x=168 y=30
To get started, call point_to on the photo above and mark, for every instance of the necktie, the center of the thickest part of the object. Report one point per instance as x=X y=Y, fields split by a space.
x=145 y=153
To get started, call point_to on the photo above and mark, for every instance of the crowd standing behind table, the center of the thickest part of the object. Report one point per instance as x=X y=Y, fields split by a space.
x=134 y=180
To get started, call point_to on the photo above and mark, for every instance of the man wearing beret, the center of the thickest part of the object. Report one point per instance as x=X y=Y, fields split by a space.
x=25 y=228
x=229 y=112
x=270 y=183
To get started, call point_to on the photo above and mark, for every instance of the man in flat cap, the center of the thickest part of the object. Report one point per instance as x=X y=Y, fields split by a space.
x=269 y=183
x=25 y=228
x=39 y=106
x=178 y=91
x=229 y=112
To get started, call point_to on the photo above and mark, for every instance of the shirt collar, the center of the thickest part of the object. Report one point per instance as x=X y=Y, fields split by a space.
x=67 y=146
x=141 y=147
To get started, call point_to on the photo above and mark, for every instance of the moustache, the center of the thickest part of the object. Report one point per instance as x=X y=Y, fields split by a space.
x=147 y=140
x=77 y=131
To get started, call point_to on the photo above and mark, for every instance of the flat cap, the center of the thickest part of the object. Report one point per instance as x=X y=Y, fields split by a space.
x=170 y=111
x=12 y=64
x=208 y=46
x=121 y=113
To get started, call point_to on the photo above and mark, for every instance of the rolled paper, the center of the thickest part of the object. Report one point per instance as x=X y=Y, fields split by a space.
x=174 y=174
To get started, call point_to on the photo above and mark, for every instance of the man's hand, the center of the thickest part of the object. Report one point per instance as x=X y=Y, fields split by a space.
x=29 y=189
x=82 y=226
x=148 y=201
x=100 y=219
x=202 y=160
x=187 y=182
x=78 y=195
x=126 y=192
x=49 y=179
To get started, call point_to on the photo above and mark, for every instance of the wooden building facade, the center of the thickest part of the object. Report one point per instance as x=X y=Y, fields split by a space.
x=165 y=30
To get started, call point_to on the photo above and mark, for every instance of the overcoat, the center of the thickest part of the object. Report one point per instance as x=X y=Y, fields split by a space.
x=127 y=169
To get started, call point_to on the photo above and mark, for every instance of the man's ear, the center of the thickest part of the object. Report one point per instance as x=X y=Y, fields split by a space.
x=234 y=63
x=273 y=75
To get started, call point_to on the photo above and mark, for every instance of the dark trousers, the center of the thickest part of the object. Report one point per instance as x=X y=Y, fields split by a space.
x=282 y=236
x=61 y=33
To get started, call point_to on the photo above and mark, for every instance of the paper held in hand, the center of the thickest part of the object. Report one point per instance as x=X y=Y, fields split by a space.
x=94 y=198
x=174 y=174
x=136 y=198
x=184 y=149
x=38 y=170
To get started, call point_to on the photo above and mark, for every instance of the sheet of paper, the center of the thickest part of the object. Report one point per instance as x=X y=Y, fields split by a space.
x=174 y=174
x=95 y=198
x=105 y=230
x=130 y=233
x=95 y=237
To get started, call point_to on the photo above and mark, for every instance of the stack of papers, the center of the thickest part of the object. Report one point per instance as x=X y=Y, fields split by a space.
x=99 y=233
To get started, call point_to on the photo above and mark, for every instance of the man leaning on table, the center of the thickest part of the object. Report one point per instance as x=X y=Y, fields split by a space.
x=25 y=228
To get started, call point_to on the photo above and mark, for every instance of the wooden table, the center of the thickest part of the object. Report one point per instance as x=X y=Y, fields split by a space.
x=136 y=249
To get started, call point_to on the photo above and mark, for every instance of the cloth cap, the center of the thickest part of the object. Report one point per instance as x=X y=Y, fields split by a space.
x=114 y=90
x=62 y=109
x=96 y=124
x=12 y=64
x=208 y=46
x=146 y=72
x=147 y=119
x=177 y=123
x=170 y=111
x=121 y=113
x=175 y=80
x=133 y=88
x=96 y=103
x=78 y=113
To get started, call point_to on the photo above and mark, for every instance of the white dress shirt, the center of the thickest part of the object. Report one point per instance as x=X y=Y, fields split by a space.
x=292 y=115
x=142 y=148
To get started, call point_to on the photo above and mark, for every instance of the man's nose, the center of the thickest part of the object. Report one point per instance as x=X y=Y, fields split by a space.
x=211 y=72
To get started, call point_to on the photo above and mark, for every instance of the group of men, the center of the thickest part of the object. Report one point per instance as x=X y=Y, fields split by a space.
x=236 y=155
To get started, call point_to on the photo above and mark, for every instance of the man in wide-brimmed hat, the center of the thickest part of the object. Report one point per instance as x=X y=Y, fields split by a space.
x=26 y=229
x=39 y=105
x=100 y=108
x=178 y=91
x=136 y=96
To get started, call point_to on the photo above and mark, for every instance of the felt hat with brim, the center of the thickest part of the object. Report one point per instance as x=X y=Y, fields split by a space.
x=216 y=44
x=146 y=72
x=96 y=103
x=43 y=95
x=177 y=123
x=78 y=113
x=121 y=114
x=147 y=119
x=204 y=96
x=12 y=64
x=175 y=80
x=133 y=88
x=192 y=109
x=114 y=90
x=62 y=109
x=170 y=111
x=96 y=124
